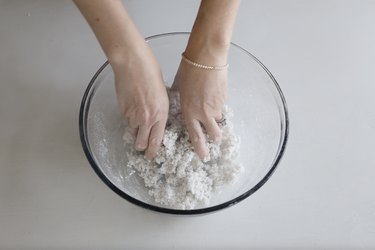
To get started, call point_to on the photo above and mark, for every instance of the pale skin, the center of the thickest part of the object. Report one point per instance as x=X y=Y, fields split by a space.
x=140 y=89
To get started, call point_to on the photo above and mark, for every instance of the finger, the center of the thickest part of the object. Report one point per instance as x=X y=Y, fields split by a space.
x=133 y=132
x=156 y=137
x=213 y=130
x=197 y=138
x=142 y=138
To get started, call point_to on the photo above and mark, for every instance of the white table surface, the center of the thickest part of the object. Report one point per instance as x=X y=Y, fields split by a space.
x=322 y=196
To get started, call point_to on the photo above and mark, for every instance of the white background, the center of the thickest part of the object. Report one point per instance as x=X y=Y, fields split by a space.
x=321 y=196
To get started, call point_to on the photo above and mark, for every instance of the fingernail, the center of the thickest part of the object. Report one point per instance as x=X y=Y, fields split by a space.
x=204 y=153
x=140 y=147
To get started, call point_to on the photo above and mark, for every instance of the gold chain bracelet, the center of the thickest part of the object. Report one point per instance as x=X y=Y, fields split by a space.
x=202 y=66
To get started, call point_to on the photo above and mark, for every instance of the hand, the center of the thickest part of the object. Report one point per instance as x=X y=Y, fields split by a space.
x=202 y=94
x=142 y=98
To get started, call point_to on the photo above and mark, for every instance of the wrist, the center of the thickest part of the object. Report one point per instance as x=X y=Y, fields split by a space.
x=210 y=49
x=127 y=55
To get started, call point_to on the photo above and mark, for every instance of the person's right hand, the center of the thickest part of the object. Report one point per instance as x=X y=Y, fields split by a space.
x=202 y=94
x=142 y=97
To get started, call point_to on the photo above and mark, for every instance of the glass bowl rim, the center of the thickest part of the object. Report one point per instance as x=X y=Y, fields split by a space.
x=82 y=131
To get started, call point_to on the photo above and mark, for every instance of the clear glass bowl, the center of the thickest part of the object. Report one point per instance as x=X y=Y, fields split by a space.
x=260 y=119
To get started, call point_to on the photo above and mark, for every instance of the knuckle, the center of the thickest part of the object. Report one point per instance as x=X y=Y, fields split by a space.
x=149 y=117
x=155 y=141
x=208 y=109
x=212 y=108
x=214 y=133
x=145 y=116
x=195 y=137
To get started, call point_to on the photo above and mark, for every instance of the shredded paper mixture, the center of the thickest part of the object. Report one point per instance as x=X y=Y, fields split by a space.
x=177 y=178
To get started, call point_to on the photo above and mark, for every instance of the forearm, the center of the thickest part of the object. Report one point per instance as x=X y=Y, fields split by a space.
x=212 y=30
x=112 y=26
